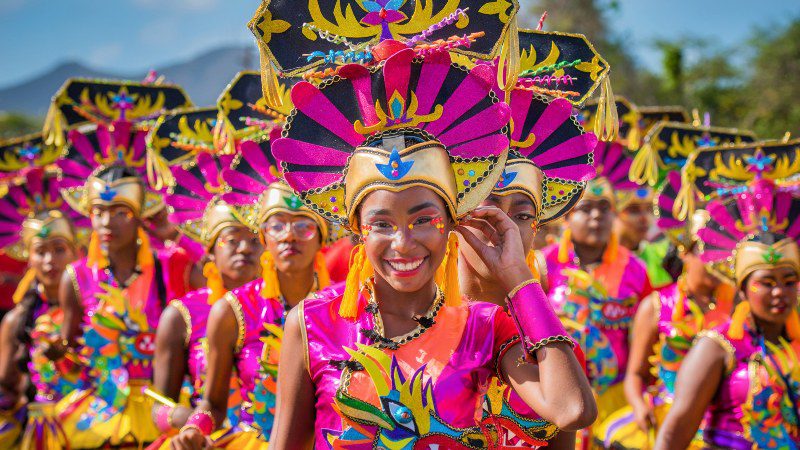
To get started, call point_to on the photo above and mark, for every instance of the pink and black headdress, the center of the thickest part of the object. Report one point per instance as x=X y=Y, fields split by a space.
x=20 y=153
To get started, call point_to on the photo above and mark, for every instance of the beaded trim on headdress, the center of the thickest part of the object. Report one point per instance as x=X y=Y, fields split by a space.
x=719 y=171
x=371 y=116
x=23 y=152
x=322 y=32
x=729 y=240
x=668 y=144
x=35 y=192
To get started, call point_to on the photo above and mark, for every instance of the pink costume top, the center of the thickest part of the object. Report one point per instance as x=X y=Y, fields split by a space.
x=119 y=326
x=423 y=389
x=753 y=407
x=676 y=332
x=194 y=309
x=598 y=308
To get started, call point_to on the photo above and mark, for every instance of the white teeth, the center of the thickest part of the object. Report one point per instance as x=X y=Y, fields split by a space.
x=406 y=267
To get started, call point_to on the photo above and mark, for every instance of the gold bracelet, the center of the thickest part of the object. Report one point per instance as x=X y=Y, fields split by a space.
x=191 y=426
x=522 y=285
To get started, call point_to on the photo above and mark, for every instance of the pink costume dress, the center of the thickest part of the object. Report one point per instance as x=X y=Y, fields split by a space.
x=118 y=343
x=598 y=307
x=677 y=329
x=756 y=404
x=423 y=390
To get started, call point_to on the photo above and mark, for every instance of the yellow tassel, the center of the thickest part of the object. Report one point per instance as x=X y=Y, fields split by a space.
x=24 y=285
x=684 y=201
x=95 y=256
x=606 y=125
x=644 y=168
x=269 y=79
x=612 y=249
x=144 y=257
x=272 y=287
x=508 y=66
x=564 y=245
x=360 y=270
x=533 y=264
x=634 y=138
x=451 y=288
x=321 y=269
x=213 y=282
x=224 y=135
x=738 y=318
x=793 y=325
x=158 y=173
x=54 y=126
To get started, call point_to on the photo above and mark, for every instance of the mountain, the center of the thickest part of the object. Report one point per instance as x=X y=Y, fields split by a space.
x=203 y=77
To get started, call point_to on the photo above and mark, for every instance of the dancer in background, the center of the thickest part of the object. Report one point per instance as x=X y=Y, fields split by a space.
x=38 y=223
x=739 y=377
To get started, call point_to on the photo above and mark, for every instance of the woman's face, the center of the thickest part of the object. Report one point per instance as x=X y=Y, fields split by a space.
x=237 y=253
x=772 y=294
x=519 y=207
x=116 y=226
x=48 y=258
x=293 y=240
x=405 y=235
x=700 y=282
x=633 y=222
x=590 y=222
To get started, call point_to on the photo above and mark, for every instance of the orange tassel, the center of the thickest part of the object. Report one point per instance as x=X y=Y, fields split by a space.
x=144 y=256
x=451 y=288
x=24 y=285
x=96 y=257
x=321 y=269
x=269 y=274
x=533 y=264
x=679 y=312
x=360 y=271
x=213 y=282
x=738 y=318
x=564 y=246
x=793 y=325
x=612 y=249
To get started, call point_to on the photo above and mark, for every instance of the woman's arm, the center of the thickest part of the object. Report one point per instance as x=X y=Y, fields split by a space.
x=9 y=373
x=169 y=363
x=698 y=380
x=223 y=333
x=555 y=386
x=294 y=416
x=643 y=337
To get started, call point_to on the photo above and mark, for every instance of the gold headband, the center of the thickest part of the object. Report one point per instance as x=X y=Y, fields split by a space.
x=127 y=191
x=627 y=197
x=426 y=164
x=54 y=225
x=751 y=256
x=279 y=197
x=522 y=176
x=219 y=215
x=600 y=189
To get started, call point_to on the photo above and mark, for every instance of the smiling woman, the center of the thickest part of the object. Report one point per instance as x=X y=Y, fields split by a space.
x=403 y=154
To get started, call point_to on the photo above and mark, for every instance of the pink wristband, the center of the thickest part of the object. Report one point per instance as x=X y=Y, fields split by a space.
x=203 y=421
x=163 y=418
x=536 y=321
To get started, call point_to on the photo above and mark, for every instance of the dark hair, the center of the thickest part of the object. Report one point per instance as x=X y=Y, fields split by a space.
x=116 y=171
x=30 y=303
x=768 y=238
x=672 y=262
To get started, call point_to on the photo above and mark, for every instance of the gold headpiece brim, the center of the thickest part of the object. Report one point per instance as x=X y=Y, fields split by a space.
x=627 y=197
x=219 y=215
x=55 y=225
x=750 y=256
x=127 y=191
x=279 y=197
x=600 y=189
x=523 y=177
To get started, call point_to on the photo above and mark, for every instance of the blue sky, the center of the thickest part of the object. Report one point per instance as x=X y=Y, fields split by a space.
x=131 y=36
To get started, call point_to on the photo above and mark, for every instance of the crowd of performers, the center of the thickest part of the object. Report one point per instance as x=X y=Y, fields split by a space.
x=414 y=228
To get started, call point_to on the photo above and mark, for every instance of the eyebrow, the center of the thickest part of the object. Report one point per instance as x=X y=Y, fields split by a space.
x=523 y=202
x=420 y=207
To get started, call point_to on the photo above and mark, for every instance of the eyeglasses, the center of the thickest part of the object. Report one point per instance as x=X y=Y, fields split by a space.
x=302 y=229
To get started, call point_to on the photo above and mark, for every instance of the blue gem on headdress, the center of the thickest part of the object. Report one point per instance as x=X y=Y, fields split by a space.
x=397 y=168
x=29 y=152
x=759 y=162
x=44 y=232
x=642 y=192
x=506 y=178
x=108 y=194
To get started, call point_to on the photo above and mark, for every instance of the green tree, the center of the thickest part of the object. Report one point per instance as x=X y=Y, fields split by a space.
x=13 y=124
